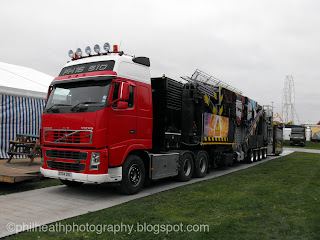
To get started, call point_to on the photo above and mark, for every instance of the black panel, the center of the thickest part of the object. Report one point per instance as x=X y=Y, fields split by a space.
x=260 y=141
x=192 y=111
x=66 y=154
x=188 y=113
x=142 y=60
x=253 y=142
x=231 y=132
x=78 y=167
x=166 y=96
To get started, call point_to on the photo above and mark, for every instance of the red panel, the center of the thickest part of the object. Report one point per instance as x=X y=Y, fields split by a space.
x=144 y=111
x=119 y=152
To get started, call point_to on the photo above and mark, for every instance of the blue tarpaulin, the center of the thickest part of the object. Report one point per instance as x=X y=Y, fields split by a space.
x=18 y=115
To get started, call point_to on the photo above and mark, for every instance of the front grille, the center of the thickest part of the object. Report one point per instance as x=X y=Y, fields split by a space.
x=78 y=167
x=66 y=154
x=68 y=136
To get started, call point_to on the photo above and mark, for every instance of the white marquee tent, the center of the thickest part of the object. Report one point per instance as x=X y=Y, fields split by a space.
x=23 y=92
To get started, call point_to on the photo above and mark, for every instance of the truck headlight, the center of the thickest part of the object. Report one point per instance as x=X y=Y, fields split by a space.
x=94 y=161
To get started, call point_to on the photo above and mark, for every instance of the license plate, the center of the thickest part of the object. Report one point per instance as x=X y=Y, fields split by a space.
x=65 y=174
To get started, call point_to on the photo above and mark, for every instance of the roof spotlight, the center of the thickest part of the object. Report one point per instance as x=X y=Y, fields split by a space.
x=88 y=50
x=106 y=47
x=71 y=54
x=96 y=48
x=79 y=52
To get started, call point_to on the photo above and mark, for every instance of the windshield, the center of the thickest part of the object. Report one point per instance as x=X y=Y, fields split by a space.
x=84 y=96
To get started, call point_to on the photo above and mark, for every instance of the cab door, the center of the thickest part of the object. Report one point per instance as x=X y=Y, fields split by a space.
x=122 y=125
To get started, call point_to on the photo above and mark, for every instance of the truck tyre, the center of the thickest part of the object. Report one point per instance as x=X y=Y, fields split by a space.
x=260 y=152
x=133 y=175
x=255 y=155
x=201 y=164
x=71 y=183
x=186 y=168
x=250 y=156
x=264 y=153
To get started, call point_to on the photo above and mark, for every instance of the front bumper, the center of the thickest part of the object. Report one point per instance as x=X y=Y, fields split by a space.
x=297 y=141
x=114 y=175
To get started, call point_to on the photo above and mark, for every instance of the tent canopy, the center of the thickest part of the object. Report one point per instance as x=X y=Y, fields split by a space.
x=23 y=93
x=23 y=81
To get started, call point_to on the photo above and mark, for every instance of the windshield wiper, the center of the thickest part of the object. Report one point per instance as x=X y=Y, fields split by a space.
x=82 y=103
x=57 y=105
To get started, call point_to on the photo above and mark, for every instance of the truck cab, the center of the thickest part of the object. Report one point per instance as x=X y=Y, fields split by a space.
x=99 y=109
x=298 y=136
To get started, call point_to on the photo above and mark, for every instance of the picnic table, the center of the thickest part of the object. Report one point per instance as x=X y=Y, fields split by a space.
x=25 y=144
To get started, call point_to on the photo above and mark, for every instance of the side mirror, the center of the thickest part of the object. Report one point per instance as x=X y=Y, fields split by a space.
x=124 y=91
x=122 y=105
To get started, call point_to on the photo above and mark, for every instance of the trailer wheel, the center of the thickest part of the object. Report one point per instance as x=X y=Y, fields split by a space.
x=260 y=152
x=186 y=168
x=201 y=164
x=133 y=175
x=250 y=157
x=71 y=183
x=255 y=156
x=264 y=152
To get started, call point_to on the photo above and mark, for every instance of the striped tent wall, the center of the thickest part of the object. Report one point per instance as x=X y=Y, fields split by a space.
x=18 y=115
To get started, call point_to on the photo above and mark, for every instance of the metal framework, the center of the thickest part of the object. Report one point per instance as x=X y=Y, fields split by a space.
x=209 y=81
x=288 y=101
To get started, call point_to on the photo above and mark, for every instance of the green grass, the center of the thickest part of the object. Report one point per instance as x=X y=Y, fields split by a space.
x=275 y=200
x=7 y=188
x=309 y=145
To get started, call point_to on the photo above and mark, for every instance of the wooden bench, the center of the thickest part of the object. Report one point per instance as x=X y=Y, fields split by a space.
x=25 y=144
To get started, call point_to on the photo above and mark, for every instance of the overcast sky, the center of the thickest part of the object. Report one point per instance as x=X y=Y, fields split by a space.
x=249 y=44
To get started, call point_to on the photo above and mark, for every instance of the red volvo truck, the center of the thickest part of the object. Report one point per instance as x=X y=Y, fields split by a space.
x=107 y=120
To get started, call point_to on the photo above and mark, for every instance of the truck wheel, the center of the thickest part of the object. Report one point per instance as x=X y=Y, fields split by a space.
x=186 y=168
x=133 y=175
x=201 y=165
x=250 y=157
x=71 y=183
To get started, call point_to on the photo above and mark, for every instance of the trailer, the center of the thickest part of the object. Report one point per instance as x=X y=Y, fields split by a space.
x=298 y=136
x=106 y=120
x=315 y=133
